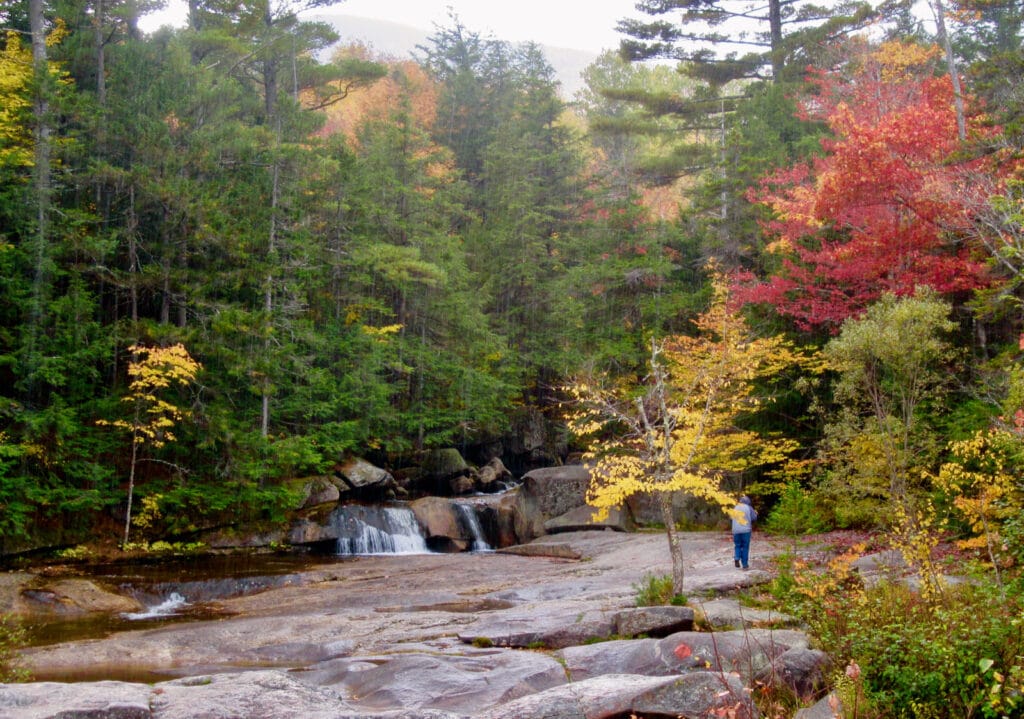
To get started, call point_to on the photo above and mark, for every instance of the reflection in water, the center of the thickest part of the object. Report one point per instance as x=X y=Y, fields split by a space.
x=173 y=589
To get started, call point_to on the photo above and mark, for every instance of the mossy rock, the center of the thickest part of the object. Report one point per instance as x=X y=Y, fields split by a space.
x=444 y=463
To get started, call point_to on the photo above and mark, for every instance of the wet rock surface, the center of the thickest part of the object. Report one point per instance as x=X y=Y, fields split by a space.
x=404 y=636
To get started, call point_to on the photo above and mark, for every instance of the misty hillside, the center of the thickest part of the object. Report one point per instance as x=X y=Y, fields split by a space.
x=396 y=40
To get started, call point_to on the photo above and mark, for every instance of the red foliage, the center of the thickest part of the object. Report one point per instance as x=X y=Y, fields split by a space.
x=883 y=210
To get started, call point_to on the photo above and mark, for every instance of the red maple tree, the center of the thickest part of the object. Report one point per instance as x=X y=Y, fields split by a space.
x=882 y=209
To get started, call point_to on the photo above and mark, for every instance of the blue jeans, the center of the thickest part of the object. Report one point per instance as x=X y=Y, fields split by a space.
x=741 y=545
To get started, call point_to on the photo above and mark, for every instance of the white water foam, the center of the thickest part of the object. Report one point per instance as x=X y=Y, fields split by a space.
x=166 y=608
x=472 y=522
x=399 y=532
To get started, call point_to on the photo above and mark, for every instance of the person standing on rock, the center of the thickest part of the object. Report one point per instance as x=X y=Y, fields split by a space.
x=743 y=516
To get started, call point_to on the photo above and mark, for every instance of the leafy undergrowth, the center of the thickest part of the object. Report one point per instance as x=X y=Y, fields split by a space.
x=654 y=591
x=903 y=647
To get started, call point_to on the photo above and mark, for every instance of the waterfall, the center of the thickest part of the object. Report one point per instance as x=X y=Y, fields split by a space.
x=471 y=522
x=378 y=530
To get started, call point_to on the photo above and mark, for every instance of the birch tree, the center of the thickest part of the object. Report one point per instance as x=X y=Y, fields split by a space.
x=154 y=371
x=680 y=429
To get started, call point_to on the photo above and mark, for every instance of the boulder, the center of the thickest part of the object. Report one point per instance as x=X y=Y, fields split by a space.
x=441 y=470
x=461 y=485
x=548 y=493
x=582 y=518
x=744 y=652
x=317 y=491
x=244 y=537
x=11 y=584
x=645 y=508
x=448 y=682
x=829 y=707
x=556 y=628
x=727 y=613
x=534 y=441
x=266 y=694
x=556 y=490
x=363 y=477
x=102 y=700
x=441 y=525
x=493 y=476
x=698 y=694
x=803 y=671
x=408 y=479
x=889 y=561
x=74 y=597
x=307 y=531
x=527 y=521
x=653 y=621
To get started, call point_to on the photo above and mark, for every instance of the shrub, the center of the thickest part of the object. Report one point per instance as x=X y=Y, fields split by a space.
x=73 y=553
x=958 y=655
x=12 y=638
x=796 y=513
x=654 y=591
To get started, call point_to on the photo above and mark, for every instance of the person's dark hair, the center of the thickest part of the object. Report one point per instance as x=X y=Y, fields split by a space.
x=745 y=500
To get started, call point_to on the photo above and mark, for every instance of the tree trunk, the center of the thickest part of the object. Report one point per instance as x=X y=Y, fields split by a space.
x=133 y=256
x=131 y=481
x=958 y=98
x=269 y=67
x=775 y=34
x=165 y=269
x=268 y=296
x=675 y=548
x=182 y=296
x=101 y=54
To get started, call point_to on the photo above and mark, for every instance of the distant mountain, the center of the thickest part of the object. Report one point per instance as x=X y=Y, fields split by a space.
x=398 y=41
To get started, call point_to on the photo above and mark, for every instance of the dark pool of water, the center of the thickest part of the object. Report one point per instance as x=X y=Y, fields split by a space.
x=200 y=581
x=42 y=631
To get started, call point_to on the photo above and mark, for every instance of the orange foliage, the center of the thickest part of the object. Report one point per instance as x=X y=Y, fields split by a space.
x=406 y=85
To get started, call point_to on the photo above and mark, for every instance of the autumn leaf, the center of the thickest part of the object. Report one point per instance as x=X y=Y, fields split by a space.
x=882 y=210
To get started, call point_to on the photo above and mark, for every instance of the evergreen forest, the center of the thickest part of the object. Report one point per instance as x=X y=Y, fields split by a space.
x=234 y=252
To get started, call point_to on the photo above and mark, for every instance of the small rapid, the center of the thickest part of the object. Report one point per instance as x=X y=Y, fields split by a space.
x=167 y=608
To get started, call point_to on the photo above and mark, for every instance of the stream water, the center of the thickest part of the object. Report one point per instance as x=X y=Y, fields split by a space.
x=470 y=520
x=187 y=589
x=173 y=590
x=377 y=530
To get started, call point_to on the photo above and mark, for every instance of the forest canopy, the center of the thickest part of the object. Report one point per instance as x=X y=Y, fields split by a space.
x=376 y=257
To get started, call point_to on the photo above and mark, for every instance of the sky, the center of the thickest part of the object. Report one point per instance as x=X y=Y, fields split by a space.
x=578 y=24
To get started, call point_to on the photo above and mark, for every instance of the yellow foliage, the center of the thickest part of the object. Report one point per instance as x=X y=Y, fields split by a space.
x=15 y=80
x=916 y=538
x=155 y=369
x=899 y=59
x=150 y=512
x=982 y=481
x=818 y=586
x=380 y=333
x=679 y=433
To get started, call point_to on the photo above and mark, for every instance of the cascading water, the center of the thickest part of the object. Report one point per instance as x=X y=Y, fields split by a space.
x=469 y=519
x=378 y=530
x=167 y=608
